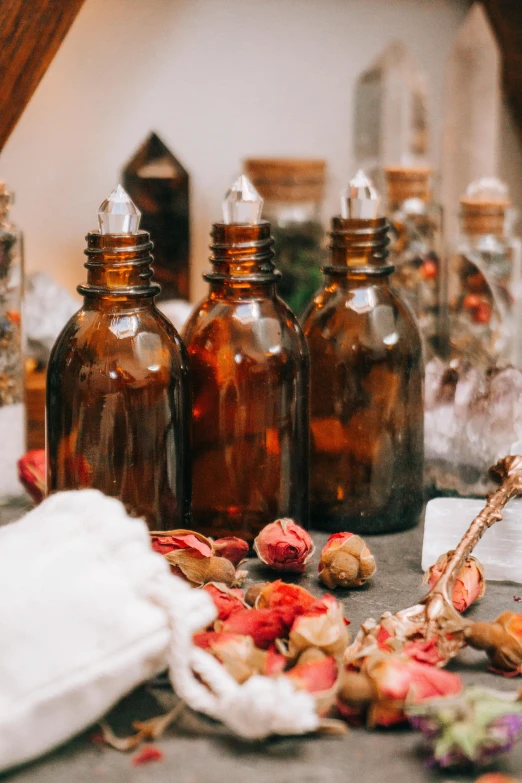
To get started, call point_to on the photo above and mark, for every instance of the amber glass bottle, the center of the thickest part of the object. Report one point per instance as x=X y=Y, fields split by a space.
x=249 y=371
x=118 y=403
x=366 y=384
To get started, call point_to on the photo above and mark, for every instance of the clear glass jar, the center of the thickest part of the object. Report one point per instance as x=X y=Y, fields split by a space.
x=293 y=193
x=12 y=409
x=415 y=249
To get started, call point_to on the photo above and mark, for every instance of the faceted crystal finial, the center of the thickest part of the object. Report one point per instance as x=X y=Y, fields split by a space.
x=360 y=200
x=118 y=214
x=242 y=203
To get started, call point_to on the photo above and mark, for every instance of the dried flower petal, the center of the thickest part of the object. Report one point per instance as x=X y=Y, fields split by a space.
x=323 y=626
x=291 y=600
x=239 y=655
x=345 y=561
x=226 y=600
x=200 y=570
x=263 y=625
x=284 y=546
x=231 y=547
x=31 y=472
x=146 y=755
x=469 y=585
x=471 y=728
x=315 y=676
x=172 y=540
x=501 y=640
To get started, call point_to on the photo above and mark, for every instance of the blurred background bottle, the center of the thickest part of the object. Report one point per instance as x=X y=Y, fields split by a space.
x=293 y=191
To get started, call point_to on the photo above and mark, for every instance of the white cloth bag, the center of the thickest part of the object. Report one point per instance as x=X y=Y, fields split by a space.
x=89 y=611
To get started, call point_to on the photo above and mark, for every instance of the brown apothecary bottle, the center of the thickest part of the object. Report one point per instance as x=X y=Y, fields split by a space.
x=249 y=370
x=366 y=388
x=118 y=400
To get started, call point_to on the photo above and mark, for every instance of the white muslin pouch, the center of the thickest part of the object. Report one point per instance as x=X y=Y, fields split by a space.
x=88 y=611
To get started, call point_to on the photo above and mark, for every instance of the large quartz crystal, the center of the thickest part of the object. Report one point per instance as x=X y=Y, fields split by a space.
x=242 y=203
x=360 y=200
x=118 y=214
x=473 y=417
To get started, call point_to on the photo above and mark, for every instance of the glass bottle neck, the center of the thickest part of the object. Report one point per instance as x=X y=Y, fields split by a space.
x=119 y=268
x=242 y=260
x=359 y=248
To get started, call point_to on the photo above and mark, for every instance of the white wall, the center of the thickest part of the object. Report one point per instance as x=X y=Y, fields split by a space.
x=219 y=80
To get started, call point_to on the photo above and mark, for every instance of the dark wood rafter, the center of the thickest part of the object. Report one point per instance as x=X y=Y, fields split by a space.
x=505 y=17
x=31 y=32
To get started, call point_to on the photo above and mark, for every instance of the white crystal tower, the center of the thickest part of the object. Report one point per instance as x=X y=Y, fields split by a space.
x=118 y=214
x=360 y=200
x=242 y=203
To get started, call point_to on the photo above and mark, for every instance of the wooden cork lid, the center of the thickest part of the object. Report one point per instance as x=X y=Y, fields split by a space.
x=287 y=179
x=404 y=182
x=482 y=217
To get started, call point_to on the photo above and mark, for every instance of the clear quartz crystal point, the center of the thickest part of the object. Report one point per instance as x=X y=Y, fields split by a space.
x=360 y=200
x=242 y=203
x=118 y=214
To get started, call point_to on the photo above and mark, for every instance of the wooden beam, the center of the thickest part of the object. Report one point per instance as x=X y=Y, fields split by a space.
x=505 y=17
x=31 y=32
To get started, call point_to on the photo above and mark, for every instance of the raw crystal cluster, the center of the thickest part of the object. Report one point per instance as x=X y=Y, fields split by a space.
x=473 y=417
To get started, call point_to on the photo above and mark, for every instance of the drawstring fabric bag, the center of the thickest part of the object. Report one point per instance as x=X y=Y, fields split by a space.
x=89 y=612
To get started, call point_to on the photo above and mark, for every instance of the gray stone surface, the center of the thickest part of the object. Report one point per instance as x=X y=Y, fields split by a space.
x=199 y=751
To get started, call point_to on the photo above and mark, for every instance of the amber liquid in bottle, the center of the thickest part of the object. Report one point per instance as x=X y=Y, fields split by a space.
x=366 y=390
x=249 y=371
x=118 y=403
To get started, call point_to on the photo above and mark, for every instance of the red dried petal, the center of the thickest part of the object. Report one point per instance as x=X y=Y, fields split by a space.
x=291 y=600
x=168 y=543
x=315 y=676
x=263 y=625
x=147 y=754
x=31 y=472
x=226 y=601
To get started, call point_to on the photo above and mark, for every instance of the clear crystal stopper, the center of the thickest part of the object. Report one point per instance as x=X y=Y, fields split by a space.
x=242 y=203
x=488 y=189
x=118 y=214
x=360 y=200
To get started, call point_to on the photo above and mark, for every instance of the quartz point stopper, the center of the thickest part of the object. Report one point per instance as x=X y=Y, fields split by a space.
x=118 y=214
x=242 y=203
x=360 y=200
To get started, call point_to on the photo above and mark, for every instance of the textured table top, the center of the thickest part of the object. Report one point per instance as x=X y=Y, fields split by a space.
x=196 y=750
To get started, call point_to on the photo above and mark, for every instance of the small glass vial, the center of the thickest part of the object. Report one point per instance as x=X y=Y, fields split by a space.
x=249 y=371
x=293 y=191
x=366 y=382
x=118 y=401
x=484 y=278
x=415 y=248
x=12 y=409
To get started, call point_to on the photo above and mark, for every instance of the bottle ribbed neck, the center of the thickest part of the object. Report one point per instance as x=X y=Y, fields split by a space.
x=119 y=265
x=242 y=253
x=359 y=247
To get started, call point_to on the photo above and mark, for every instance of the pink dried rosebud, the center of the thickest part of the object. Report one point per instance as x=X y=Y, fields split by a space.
x=231 y=547
x=469 y=585
x=284 y=546
x=31 y=472
x=345 y=561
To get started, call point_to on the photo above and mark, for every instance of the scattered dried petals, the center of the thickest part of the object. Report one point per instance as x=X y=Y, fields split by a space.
x=263 y=625
x=345 y=561
x=172 y=540
x=226 y=600
x=323 y=627
x=31 y=472
x=231 y=547
x=470 y=584
x=239 y=655
x=146 y=755
x=291 y=600
x=284 y=546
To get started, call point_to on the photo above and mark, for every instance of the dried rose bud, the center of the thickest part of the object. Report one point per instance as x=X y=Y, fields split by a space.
x=345 y=561
x=469 y=585
x=284 y=546
x=263 y=625
x=290 y=600
x=323 y=626
x=253 y=592
x=501 y=640
x=231 y=547
x=172 y=540
x=318 y=677
x=31 y=472
x=200 y=570
x=226 y=599
x=239 y=655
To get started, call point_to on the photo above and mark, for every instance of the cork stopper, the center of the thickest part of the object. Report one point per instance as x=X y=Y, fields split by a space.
x=405 y=182
x=287 y=179
x=483 y=207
